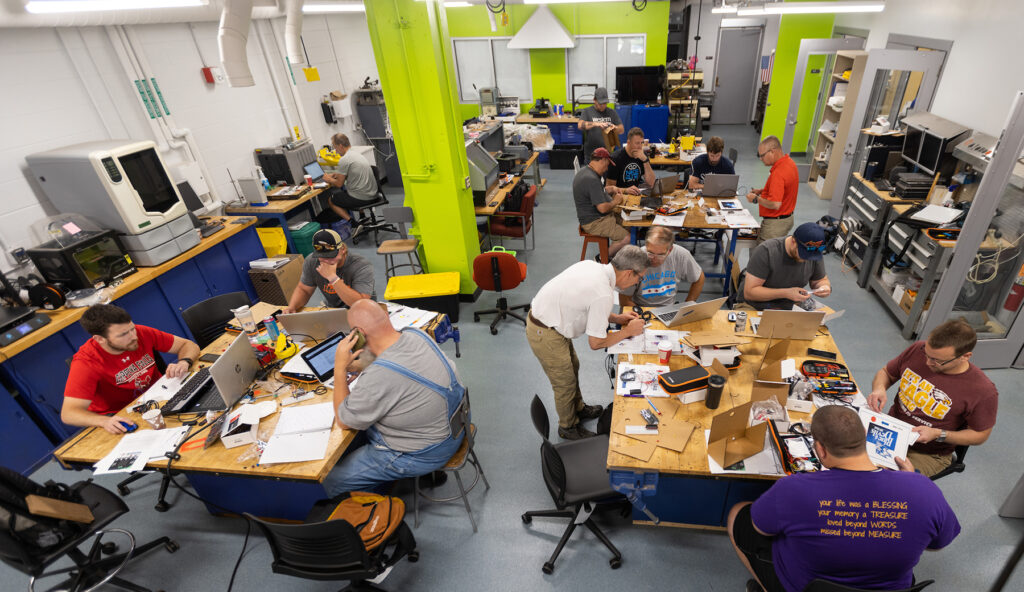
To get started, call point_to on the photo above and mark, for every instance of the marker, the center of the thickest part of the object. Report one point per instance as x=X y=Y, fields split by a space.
x=652 y=405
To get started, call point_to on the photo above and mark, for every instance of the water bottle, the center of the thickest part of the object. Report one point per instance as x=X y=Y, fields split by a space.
x=263 y=178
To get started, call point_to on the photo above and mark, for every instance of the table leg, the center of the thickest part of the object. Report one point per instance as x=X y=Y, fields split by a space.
x=726 y=282
x=632 y=235
x=283 y=221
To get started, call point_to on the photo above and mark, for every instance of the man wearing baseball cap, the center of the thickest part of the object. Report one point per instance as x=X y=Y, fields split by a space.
x=595 y=119
x=780 y=268
x=342 y=277
x=595 y=203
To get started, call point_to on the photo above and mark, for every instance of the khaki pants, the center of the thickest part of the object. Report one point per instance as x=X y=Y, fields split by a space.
x=774 y=228
x=929 y=464
x=558 y=359
x=607 y=226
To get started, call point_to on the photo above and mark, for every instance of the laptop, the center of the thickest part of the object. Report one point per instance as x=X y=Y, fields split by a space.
x=688 y=313
x=314 y=170
x=317 y=324
x=663 y=186
x=720 y=185
x=320 y=358
x=221 y=385
x=789 y=324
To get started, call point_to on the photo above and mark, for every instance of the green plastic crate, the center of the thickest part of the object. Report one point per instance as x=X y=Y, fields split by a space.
x=303 y=238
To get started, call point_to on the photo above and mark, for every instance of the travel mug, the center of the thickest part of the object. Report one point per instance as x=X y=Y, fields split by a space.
x=715 y=385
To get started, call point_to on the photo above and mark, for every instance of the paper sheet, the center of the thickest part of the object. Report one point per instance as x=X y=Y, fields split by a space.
x=740 y=218
x=134 y=450
x=646 y=379
x=631 y=345
x=163 y=389
x=762 y=463
x=407 y=316
x=676 y=221
x=296 y=447
x=305 y=418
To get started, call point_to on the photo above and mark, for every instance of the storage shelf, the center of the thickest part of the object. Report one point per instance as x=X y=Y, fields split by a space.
x=827 y=137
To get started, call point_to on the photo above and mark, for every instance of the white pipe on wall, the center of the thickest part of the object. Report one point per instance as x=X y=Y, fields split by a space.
x=272 y=69
x=231 y=38
x=303 y=124
x=293 y=32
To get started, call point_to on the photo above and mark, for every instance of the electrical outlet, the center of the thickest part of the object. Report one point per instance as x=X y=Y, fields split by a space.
x=467 y=182
x=20 y=256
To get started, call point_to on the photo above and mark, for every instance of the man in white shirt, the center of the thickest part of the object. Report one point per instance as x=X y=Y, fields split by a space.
x=579 y=300
x=671 y=265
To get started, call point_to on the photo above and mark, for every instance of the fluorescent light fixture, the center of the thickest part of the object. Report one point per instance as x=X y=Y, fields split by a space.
x=751 y=10
x=321 y=7
x=59 y=6
x=565 y=1
x=823 y=7
x=457 y=4
x=724 y=8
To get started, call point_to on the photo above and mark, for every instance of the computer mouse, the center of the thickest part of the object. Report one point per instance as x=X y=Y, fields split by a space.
x=129 y=427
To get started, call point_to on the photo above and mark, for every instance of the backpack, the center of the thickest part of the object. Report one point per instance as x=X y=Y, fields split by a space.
x=17 y=522
x=514 y=200
x=375 y=517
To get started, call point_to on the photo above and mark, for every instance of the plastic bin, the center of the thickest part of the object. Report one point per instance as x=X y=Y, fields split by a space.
x=273 y=240
x=438 y=292
x=561 y=155
x=303 y=238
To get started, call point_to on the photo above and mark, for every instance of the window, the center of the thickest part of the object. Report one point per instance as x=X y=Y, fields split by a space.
x=487 y=62
x=595 y=58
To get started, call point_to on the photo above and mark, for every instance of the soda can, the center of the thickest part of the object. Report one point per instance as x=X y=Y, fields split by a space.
x=741 y=322
x=272 y=330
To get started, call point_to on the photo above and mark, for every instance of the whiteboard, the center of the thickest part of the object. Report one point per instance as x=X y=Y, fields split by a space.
x=473 y=66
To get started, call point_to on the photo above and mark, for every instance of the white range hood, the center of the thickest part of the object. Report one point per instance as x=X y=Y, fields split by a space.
x=542 y=30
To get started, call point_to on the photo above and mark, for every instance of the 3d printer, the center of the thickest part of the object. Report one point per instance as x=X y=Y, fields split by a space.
x=79 y=254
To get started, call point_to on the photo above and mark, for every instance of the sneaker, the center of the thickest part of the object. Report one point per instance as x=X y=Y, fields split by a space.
x=598 y=258
x=576 y=432
x=590 y=412
x=358 y=230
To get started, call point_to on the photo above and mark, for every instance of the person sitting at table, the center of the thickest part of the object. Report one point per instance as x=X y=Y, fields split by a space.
x=630 y=167
x=779 y=269
x=403 y=402
x=595 y=119
x=595 y=203
x=712 y=162
x=342 y=277
x=855 y=524
x=670 y=266
x=777 y=200
x=115 y=366
x=354 y=185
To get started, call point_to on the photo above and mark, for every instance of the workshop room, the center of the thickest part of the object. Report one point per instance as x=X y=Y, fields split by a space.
x=678 y=294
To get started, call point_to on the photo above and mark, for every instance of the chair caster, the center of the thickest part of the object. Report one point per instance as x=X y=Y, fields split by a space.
x=162 y=506
x=494 y=331
x=124 y=491
x=413 y=556
x=615 y=562
x=548 y=568
x=476 y=318
x=527 y=518
x=171 y=546
x=108 y=548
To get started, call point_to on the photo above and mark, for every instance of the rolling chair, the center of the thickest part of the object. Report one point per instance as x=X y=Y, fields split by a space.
x=206 y=319
x=957 y=466
x=820 y=585
x=33 y=550
x=400 y=246
x=575 y=474
x=366 y=217
x=497 y=271
x=733 y=155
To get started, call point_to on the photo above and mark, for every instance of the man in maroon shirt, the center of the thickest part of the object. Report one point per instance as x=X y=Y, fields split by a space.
x=949 y=401
x=777 y=200
x=117 y=365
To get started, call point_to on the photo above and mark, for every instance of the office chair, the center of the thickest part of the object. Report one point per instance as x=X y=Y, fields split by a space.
x=333 y=550
x=496 y=271
x=206 y=319
x=367 y=218
x=400 y=246
x=820 y=585
x=957 y=466
x=575 y=474
x=733 y=155
x=517 y=223
x=30 y=543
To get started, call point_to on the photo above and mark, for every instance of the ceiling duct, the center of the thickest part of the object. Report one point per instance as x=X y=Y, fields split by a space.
x=231 y=39
x=542 y=30
x=293 y=32
x=13 y=15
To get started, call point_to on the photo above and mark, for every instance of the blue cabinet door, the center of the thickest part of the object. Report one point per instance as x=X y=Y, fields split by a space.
x=219 y=271
x=25 y=446
x=40 y=374
x=243 y=248
x=149 y=307
x=183 y=286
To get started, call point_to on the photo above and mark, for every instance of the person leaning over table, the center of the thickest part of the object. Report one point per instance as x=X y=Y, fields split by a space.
x=949 y=401
x=713 y=162
x=403 y=401
x=595 y=202
x=855 y=524
x=115 y=366
x=777 y=200
x=630 y=167
x=342 y=277
x=670 y=266
x=780 y=268
x=575 y=302
x=595 y=119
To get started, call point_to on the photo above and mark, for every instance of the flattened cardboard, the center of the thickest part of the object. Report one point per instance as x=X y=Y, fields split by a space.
x=770 y=369
x=731 y=440
x=633 y=447
x=699 y=338
x=60 y=509
x=675 y=435
x=611 y=139
x=790 y=324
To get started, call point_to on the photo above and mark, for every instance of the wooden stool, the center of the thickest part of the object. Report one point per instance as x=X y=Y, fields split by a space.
x=602 y=245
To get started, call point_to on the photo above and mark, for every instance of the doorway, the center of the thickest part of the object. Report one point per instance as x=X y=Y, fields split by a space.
x=739 y=50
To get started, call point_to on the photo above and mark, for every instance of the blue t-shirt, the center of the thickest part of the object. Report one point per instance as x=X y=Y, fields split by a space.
x=702 y=166
x=858 y=528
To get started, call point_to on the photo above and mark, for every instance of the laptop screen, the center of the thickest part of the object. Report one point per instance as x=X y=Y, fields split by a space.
x=320 y=358
x=313 y=170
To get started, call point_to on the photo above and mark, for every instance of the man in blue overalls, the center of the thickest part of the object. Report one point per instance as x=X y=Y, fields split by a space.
x=403 y=401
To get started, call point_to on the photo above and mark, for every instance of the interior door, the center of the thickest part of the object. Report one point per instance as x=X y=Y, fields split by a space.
x=739 y=52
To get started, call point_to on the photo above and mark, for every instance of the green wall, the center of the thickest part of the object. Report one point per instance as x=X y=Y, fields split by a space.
x=548 y=65
x=792 y=29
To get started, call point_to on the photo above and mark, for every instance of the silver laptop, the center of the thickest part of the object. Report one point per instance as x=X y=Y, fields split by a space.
x=315 y=324
x=788 y=324
x=720 y=185
x=689 y=313
x=234 y=370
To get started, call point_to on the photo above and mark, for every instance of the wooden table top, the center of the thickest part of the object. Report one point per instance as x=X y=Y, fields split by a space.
x=276 y=206
x=499 y=196
x=695 y=217
x=883 y=195
x=64 y=317
x=527 y=118
x=693 y=460
x=92 y=444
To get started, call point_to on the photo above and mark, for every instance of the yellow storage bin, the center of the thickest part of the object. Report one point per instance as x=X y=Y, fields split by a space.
x=273 y=241
x=438 y=292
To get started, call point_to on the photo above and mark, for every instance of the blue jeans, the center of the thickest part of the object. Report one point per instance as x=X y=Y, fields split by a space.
x=375 y=464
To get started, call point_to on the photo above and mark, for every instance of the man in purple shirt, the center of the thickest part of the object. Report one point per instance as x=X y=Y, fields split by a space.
x=854 y=524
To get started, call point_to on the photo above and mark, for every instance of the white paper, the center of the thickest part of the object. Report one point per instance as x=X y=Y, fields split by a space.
x=787 y=368
x=887 y=437
x=296 y=447
x=936 y=214
x=654 y=337
x=630 y=345
x=676 y=221
x=307 y=418
x=741 y=218
x=134 y=450
x=163 y=389
x=646 y=380
x=408 y=316
x=832 y=316
x=640 y=430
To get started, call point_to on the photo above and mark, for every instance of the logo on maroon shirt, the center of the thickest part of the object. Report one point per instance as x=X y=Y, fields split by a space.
x=917 y=393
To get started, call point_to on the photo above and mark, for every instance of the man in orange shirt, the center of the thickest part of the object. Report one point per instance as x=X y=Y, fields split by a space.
x=777 y=200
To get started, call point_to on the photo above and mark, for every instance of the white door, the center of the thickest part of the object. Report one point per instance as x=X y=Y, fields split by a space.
x=739 y=52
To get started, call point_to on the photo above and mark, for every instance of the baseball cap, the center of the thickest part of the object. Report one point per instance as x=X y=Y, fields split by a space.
x=810 y=241
x=601 y=95
x=600 y=153
x=326 y=243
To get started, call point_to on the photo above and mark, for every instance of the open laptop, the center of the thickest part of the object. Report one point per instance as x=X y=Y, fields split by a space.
x=689 y=312
x=789 y=324
x=314 y=170
x=221 y=385
x=720 y=185
x=320 y=358
x=662 y=186
x=316 y=324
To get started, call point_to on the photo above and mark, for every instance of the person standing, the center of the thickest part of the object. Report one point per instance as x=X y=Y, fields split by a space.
x=712 y=162
x=595 y=119
x=630 y=166
x=777 y=200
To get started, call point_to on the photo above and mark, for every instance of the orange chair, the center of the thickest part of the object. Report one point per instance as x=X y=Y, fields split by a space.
x=496 y=271
x=602 y=245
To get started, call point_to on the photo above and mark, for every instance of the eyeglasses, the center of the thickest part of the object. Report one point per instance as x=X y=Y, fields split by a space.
x=657 y=255
x=940 y=363
x=761 y=154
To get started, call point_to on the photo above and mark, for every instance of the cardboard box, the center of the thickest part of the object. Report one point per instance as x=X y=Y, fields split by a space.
x=771 y=369
x=275 y=286
x=240 y=427
x=907 y=301
x=732 y=438
x=611 y=140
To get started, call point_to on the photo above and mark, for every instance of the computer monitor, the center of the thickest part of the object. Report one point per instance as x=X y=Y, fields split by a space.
x=314 y=170
x=191 y=199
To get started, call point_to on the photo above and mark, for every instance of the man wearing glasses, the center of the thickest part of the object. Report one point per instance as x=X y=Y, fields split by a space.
x=670 y=265
x=949 y=401
x=777 y=200
x=342 y=277
x=780 y=268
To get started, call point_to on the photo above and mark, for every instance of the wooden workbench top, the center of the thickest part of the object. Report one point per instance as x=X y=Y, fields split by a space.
x=883 y=195
x=695 y=217
x=527 y=118
x=276 y=206
x=498 y=197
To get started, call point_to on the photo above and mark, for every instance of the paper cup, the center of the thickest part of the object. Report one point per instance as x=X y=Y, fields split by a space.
x=154 y=419
x=664 y=352
x=309 y=180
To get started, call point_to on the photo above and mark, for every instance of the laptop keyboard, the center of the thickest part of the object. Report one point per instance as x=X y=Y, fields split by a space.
x=187 y=393
x=666 y=317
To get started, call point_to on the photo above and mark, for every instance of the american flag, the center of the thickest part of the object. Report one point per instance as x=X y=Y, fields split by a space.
x=766 y=67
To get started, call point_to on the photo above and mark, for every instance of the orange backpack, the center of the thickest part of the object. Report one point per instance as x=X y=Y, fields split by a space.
x=375 y=517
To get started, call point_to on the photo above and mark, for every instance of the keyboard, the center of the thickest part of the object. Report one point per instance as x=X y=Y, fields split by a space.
x=188 y=391
x=210 y=228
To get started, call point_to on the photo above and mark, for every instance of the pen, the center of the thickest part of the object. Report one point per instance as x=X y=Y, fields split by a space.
x=652 y=405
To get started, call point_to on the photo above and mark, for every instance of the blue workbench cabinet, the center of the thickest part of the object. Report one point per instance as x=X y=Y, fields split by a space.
x=25 y=447
x=39 y=374
x=243 y=248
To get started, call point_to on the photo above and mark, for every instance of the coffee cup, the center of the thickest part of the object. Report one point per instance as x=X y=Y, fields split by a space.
x=154 y=419
x=309 y=180
x=664 y=352
x=716 y=384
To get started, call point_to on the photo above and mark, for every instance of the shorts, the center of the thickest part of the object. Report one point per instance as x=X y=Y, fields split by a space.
x=342 y=199
x=606 y=226
x=758 y=550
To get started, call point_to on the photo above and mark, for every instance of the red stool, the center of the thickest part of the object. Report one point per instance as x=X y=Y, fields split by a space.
x=602 y=245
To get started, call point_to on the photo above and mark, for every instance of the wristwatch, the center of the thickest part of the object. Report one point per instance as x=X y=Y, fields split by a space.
x=942 y=436
x=189 y=360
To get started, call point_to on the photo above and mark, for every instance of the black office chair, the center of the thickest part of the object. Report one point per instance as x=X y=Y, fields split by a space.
x=30 y=543
x=575 y=474
x=333 y=550
x=957 y=466
x=820 y=585
x=206 y=319
x=732 y=155
x=367 y=218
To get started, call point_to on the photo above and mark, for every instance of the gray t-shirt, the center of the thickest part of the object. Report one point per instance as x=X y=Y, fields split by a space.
x=359 y=181
x=659 y=284
x=357 y=273
x=770 y=262
x=593 y=138
x=408 y=415
x=587 y=192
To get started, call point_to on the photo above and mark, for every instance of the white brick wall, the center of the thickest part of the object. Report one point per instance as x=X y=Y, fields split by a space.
x=55 y=97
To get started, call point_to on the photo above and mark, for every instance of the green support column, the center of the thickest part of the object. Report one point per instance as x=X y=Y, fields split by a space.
x=415 y=63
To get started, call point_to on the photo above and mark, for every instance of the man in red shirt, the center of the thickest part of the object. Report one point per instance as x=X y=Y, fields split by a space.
x=777 y=200
x=117 y=365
